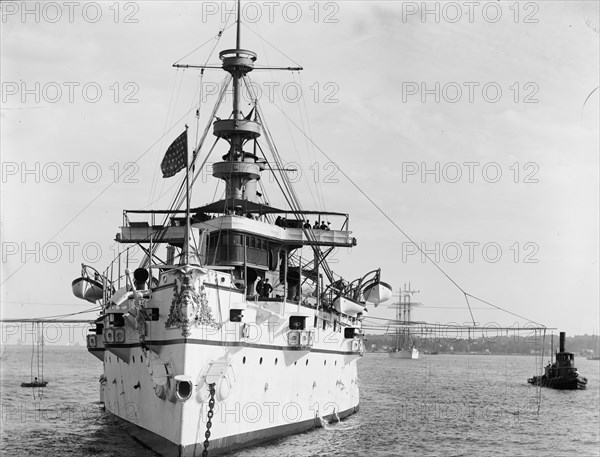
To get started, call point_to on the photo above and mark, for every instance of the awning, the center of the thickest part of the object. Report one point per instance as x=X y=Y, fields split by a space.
x=246 y=206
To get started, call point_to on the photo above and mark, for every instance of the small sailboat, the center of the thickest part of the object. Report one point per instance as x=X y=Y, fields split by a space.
x=37 y=352
x=34 y=383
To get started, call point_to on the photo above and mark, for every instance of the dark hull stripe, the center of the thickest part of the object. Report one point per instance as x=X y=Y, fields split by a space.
x=222 y=446
x=225 y=343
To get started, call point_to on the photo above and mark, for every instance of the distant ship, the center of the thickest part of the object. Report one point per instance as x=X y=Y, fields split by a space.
x=561 y=374
x=233 y=330
x=411 y=353
x=404 y=344
x=595 y=352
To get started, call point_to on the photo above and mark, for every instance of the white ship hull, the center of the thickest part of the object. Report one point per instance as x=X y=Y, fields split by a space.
x=412 y=353
x=267 y=384
x=273 y=401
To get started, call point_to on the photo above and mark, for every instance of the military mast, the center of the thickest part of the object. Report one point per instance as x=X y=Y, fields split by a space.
x=240 y=170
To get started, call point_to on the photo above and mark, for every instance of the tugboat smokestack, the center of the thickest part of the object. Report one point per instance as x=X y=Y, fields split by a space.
x=562 y=342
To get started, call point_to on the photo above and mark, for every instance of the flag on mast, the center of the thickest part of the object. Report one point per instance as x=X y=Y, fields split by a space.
x=176 y=156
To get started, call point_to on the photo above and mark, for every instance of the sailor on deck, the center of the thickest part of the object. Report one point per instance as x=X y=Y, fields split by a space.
x=260 y=287
x=267 y=289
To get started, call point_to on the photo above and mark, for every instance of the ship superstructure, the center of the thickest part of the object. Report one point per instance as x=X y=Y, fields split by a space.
x=233 y=330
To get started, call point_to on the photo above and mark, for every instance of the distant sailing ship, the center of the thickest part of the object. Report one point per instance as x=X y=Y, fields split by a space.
x=561 y=374
x=404 y=344
x=233 y=330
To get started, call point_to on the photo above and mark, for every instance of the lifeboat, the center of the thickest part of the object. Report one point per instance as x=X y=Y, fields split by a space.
x=347 y=306
x=89 y=286
x=377 y=292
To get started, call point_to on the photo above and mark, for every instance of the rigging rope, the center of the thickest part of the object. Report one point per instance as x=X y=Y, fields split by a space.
x=319 y=192
x=57 y=316
x=32 y=350
x=289 y=193
x=539 y=396
x=117 y=179
x=41 y=351
x=216 y=37
x=384 y=214
x=272 y=45
x=156 y=174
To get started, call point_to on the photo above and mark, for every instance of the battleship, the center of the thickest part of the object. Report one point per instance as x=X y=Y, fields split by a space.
x=233 y=330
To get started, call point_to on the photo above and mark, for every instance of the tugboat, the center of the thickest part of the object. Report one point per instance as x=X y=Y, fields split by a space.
x=562 y=374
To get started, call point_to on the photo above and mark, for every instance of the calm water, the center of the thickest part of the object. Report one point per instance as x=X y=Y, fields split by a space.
x=440 y=405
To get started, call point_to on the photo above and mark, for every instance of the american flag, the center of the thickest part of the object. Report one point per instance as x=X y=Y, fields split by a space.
x=176 y=156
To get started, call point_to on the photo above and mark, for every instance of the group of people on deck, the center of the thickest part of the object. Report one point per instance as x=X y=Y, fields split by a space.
x=317 y=226
x=294 y=223
x=263 y=288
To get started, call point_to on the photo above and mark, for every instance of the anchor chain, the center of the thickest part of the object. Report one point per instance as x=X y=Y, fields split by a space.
x=211 y=405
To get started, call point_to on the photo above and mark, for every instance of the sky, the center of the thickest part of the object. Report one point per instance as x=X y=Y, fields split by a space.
x=468 y=128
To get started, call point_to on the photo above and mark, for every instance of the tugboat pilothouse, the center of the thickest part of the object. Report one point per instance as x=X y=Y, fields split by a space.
x=233 y=330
